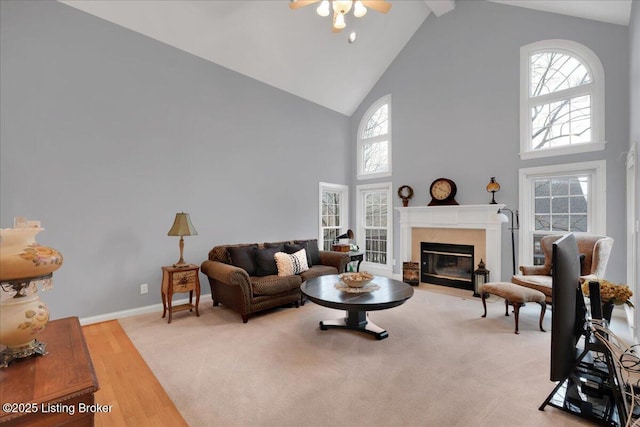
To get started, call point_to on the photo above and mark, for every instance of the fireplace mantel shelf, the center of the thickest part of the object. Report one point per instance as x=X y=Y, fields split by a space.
x=484 y=217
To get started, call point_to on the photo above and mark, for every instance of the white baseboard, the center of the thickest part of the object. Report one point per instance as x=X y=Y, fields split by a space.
x=134 y=311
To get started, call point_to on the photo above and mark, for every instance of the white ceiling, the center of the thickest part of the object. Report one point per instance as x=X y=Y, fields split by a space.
x=295 y=50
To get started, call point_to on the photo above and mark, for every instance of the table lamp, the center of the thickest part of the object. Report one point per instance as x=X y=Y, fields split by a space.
x=492 y=187
x=182 y=227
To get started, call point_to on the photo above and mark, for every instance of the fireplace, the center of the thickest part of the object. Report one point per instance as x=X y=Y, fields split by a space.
x=452 y=224
x=447 y=264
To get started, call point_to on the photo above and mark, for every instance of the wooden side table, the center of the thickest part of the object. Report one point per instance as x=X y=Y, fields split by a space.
x=52 y=390
x=180 y=279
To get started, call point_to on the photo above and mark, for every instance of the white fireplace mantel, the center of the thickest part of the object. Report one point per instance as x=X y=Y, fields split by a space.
x=484 y=217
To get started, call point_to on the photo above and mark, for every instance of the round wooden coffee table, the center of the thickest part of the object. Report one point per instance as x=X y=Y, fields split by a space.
x=322 y=291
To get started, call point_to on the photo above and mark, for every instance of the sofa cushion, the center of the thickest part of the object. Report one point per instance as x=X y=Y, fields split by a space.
x=275 y=245
x=265 y=263
x=289 y=264
x=293 y=248
x=273 y=285
x=243 y=257
x=318 y=270
x=312 y=250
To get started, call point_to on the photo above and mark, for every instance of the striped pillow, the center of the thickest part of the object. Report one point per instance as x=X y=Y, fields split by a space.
x=289 y=265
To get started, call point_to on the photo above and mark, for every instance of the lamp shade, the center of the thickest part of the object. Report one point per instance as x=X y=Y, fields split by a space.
x=493 y=185
x=182 y=226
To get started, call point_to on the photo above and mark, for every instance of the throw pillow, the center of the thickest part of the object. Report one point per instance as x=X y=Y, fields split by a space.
x=275 y=245
x=312 y=249
x=290 y=249
x=265 y=263
x=290 y=264
x=243 y=257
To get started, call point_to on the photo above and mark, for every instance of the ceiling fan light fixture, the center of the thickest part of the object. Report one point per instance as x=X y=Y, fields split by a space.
x=324 y=9
x=338 y=21
x=359 y=10
x=342 y=6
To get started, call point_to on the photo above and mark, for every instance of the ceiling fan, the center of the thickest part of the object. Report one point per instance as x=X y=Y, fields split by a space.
x=342 y=7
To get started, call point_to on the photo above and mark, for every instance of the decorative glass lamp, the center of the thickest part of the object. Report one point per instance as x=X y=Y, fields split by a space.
x=24 y=265
x=182 y=227
x=492 y=187
x=480 y=277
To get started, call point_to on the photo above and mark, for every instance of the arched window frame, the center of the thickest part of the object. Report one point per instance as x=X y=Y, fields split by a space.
x=362 y=142
x=595 y=89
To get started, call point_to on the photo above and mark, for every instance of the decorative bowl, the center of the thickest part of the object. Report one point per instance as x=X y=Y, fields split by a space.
x=356 y=280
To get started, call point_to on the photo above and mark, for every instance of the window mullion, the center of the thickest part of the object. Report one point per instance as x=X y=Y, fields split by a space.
x=561 y=95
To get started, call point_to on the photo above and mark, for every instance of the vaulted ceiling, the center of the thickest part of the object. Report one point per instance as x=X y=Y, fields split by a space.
x=295 y=50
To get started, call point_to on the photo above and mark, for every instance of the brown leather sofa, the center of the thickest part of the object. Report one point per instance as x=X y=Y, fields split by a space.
x=242 y=276
x=596 y=250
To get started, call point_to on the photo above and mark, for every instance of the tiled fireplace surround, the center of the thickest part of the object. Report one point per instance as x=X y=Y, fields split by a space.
x=477 y=225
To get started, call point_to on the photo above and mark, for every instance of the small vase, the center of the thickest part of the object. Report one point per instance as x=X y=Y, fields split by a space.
x=607 y=311
x=24 y=265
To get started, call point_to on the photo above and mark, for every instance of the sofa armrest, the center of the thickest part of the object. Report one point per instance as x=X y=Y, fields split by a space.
x=535 y=270
x=339 y=260
x=226 y=273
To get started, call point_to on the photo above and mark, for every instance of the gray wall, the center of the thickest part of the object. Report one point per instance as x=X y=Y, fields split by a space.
x=634 y=116
x=455 y=100
x=106 y=134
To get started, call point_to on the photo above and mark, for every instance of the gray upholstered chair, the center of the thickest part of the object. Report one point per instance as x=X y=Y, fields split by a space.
x=596 y=250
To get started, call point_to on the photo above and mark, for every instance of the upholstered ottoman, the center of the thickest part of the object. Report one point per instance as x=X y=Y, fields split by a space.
x=515 y=295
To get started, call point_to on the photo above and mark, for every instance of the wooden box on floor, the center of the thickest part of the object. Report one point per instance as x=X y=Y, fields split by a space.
x=411 y=273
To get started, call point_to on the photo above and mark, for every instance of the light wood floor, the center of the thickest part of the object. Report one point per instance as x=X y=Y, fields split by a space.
x=126 y=382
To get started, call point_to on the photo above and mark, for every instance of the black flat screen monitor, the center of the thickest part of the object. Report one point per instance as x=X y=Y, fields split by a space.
x=568 y=318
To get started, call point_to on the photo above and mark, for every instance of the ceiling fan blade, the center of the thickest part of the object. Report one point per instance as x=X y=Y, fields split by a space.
x=295 y=4
x=378 y=5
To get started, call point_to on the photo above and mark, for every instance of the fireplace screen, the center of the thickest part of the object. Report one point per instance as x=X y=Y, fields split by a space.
x=447 y=264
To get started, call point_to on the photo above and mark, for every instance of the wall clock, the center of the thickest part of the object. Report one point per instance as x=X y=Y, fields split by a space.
x=443 y=192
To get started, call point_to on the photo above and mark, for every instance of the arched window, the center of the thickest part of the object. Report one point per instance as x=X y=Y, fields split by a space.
x=561 y=99
x=374 y=140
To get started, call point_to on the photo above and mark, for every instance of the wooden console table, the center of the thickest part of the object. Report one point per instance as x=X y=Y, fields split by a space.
x=55 y=389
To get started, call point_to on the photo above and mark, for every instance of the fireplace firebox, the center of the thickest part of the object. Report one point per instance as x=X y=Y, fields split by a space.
x=447 y=264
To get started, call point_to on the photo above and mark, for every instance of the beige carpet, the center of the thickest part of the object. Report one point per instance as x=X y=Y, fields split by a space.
x=442 y=365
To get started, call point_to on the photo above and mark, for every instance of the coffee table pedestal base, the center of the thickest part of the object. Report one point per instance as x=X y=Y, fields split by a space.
x=356 y=321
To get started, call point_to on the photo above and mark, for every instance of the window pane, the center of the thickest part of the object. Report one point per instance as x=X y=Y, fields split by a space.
x=566 y=207
x=559 y=187
x=561 y=123
x=329 y=236
x=542 y=222
x=538 y=256
x=579 y=223
x=375 y=227
x=331 y=219
x=578 y=204
x=378 y=123
x=560 y=222
x=375 y=157
x=541 y=188
x=553 y=71
x=543 y=205
x=560 y=205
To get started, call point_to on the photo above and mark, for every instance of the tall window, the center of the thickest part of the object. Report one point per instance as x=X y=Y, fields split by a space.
x=560 y=199
x=561 y=99
x=374 y=140
x=334 y=215
x=375 y=217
